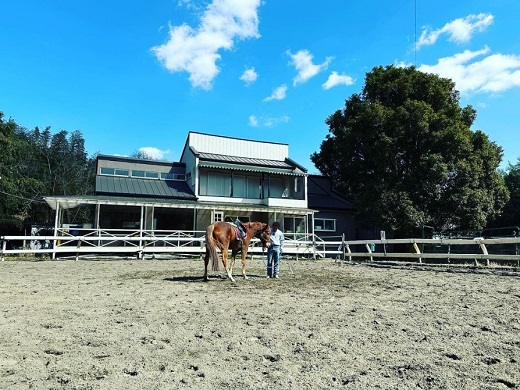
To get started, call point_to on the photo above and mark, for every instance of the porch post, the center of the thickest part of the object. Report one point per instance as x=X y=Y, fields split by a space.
x=140 y=254
x=56 y=224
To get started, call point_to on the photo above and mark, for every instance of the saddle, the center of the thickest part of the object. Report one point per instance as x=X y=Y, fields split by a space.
x=238 y=233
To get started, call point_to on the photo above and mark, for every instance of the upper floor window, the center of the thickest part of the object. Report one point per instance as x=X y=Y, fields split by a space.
x=114 y=171
x=141 y=174
x=172 y=176
x=215 y=184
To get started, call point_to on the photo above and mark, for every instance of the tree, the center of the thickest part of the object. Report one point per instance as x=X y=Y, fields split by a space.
x=511 y=213
x=37 y=163
x=16 y=183
x=403 y=150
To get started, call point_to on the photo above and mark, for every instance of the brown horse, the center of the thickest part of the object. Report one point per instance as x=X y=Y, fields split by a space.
x=223 y=236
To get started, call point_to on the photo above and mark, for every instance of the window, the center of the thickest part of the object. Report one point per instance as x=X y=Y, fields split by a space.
x=107 y=171
x=121 y=172
x=253 y=187
x=324 y=225
x=276 y=188
x=151 y=175
x=239 y=186
x=215 y=184
x=172 y=176
x=136 y=173
x=218 y=216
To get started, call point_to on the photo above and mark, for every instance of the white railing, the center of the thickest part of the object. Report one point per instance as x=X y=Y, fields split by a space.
x=147 y=242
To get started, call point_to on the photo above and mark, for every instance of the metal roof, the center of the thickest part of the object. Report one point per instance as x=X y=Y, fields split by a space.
x=117 y=185
x=245 y=160
x=249 y=168
x=68 y=202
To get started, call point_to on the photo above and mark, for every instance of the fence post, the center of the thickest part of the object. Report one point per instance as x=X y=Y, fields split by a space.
x=77 y=248
x=417 y=250
x=4 y=246
x=343 y=245
x=369 y=250
x=349 y=251
x=484 y=251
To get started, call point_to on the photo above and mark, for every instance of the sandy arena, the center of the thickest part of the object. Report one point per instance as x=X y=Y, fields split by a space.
x=155 y=324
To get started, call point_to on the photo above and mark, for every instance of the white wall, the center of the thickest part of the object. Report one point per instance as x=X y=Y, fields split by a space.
x=206 y=143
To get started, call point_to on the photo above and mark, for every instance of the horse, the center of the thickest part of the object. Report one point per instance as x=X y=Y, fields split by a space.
x=224 y=236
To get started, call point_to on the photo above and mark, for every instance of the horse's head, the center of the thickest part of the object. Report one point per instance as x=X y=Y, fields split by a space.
x=264 y=234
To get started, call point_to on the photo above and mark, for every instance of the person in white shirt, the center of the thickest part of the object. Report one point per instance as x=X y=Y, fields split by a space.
x=275 y=251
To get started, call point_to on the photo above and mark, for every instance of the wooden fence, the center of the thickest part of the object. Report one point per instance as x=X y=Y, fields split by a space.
x=141 y=244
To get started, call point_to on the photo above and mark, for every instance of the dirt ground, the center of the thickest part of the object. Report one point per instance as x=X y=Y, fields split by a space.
x=154 y=324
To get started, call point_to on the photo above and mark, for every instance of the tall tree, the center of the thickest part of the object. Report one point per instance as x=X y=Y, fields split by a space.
x=511 y=213
x=37 y=163
x=403 y=150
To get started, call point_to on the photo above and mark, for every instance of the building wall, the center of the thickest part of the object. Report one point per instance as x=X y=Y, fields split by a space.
x=238 y=147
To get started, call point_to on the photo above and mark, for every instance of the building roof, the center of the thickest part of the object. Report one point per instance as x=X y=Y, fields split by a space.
x=244 y=160
x=131 y=186
x=139 y=160
x=68 y=202
x=323 y=197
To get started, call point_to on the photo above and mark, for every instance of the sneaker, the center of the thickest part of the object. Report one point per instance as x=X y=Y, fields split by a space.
x=276 y=277
x=268 y=277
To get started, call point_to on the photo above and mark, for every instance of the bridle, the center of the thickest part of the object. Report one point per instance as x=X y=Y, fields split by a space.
x=260 y=236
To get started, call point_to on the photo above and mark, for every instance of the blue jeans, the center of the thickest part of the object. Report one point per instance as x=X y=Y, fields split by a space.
x=273 y=260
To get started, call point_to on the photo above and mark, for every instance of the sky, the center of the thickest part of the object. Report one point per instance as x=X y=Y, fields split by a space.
x=140 y=75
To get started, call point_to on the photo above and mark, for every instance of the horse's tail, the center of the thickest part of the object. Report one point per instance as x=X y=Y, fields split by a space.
x=211 y=247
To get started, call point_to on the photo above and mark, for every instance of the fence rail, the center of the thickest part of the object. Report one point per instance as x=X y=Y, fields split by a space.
x=142 y=243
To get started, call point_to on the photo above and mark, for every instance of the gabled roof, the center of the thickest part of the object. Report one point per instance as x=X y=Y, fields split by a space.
x=323 y=197
x=130 y=186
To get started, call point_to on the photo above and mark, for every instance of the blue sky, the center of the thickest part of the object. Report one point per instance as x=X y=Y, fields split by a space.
x=142 y=74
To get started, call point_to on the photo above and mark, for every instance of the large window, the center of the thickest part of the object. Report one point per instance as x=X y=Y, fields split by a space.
x=215 y=184
x=324 y=225
x=142 y=174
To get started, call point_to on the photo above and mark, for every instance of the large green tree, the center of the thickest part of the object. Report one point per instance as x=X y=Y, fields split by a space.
x=403 y=150
x=511 y=213
x=37 y=163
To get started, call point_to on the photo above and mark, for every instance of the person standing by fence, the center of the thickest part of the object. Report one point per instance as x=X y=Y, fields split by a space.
x=275 y=251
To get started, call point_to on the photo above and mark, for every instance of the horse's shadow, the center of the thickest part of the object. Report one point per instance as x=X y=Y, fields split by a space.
x=193 y=279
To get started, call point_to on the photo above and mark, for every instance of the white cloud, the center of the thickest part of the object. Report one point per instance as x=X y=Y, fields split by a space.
x=494 y=73
x=196 y=51
x=278 y=93
x=267 y=121
x=302 y=61
x=270 y=121
x=337 y=79
x=253 y=121
x=249 y=76
x=458 y=30
x=153 y=153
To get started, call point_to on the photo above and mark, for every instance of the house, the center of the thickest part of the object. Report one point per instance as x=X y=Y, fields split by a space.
x=217 y=178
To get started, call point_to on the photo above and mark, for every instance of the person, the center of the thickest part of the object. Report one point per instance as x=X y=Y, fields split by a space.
x=275 y=251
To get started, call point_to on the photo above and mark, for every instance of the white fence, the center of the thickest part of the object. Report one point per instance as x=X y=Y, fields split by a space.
x=138 y=243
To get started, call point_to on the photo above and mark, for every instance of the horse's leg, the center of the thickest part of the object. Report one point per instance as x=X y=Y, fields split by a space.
x=232 y=261
x=224 y=260
x=206 y=261
x=244 y=255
